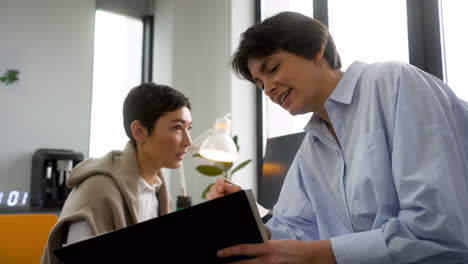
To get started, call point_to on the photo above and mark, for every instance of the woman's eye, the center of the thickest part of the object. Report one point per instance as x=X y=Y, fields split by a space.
x=274 y=68
x=178 y=127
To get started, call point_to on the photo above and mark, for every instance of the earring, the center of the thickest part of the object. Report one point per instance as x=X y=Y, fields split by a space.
x=318 y=62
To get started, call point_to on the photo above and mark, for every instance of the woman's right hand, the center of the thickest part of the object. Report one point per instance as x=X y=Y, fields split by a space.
x=222 y=187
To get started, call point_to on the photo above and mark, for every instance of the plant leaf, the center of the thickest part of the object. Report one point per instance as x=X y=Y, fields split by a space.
x=196 y=155
x=240 y=166
x=206 y=191
x=209 y=170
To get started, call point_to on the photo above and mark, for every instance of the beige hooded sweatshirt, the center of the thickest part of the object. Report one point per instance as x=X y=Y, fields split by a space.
x=105 y=194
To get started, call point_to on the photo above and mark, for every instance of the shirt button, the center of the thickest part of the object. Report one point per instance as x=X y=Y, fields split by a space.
x=333 y=115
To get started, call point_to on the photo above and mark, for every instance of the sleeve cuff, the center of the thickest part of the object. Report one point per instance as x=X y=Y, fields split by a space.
x=361 y=248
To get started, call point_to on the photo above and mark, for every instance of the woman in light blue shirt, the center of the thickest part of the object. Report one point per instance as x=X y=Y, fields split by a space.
x=381 y=176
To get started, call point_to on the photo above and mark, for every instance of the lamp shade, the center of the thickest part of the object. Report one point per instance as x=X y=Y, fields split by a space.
x=219 y=146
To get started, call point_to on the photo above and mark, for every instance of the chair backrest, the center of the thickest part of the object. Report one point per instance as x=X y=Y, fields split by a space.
x=24 y=236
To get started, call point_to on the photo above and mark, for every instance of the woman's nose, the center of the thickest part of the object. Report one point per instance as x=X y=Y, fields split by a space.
x=187 y=139
x=269 y=87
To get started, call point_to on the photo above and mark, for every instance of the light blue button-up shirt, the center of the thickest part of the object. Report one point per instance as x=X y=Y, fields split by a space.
x=397 y=189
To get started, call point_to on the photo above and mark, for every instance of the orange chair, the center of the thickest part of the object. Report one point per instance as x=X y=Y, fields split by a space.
x=24 y=236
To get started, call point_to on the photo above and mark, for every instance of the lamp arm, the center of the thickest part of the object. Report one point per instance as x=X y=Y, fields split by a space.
x=182 y=180
x=195 y=145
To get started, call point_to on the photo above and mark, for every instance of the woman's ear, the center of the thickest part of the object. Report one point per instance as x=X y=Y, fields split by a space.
x=139 y=132
x=319 y=55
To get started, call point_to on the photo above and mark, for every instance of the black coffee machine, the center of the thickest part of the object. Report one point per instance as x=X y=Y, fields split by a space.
x=50 y=171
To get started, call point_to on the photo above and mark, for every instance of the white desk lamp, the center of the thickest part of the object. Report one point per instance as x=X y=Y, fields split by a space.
x=217 y=145
x=214 y=144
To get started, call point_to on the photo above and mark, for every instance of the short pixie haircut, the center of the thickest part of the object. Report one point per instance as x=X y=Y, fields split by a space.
x=148 y=102
x=288 y=31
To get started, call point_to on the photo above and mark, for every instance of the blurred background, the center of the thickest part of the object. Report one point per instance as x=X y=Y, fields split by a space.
x=76 y=61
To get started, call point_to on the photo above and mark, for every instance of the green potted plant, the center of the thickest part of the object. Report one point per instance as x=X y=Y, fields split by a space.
x=224 y=169
x=10 y=77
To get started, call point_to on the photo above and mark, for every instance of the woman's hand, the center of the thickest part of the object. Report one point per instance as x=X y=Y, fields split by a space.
x=222 y=187
x=283 y=251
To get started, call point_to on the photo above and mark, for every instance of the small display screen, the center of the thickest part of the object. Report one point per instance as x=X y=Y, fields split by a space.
x=14 y=198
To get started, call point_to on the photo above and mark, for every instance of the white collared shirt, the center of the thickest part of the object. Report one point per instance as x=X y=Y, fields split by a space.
x=148 y=209
x=147 y=200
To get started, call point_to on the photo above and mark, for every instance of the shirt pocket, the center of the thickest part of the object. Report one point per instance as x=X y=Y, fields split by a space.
x=372 y=195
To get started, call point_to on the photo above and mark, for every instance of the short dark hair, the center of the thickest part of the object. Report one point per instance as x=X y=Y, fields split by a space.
x=148 y=102
x=289 y=31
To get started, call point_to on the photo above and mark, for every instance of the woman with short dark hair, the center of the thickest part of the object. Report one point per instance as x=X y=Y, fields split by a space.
x=127 y=187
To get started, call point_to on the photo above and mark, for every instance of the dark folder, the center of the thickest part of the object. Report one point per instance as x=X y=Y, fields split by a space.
x=191 y=235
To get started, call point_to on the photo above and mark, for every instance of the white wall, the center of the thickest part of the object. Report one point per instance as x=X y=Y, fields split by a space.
x=192 y=51
x=52 y=42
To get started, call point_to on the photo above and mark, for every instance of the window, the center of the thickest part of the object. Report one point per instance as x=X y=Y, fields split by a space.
x=271 y=7
x=369 y=30
x=118 y=43
x=454 y=21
